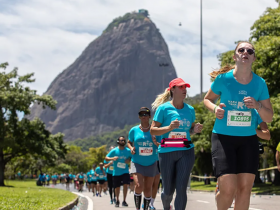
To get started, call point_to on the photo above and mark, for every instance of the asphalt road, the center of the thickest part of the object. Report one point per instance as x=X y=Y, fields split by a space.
x=196 y=200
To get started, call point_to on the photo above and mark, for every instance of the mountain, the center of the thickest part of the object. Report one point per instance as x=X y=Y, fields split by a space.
x=119 y=72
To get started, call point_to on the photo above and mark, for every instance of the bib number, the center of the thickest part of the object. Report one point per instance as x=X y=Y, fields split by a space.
x=177 y=135
x=101 y=176
x=145 y=151
x=239 y=118
x=111 y=168
x=121 y=165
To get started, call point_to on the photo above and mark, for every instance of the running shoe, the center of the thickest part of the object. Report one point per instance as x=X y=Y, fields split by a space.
x=112 y=201
x=105 y=193
x=100 y=195
x=93 y=194
x=96 y=194
x=142 y=205
x=117 y=204
x=124 y=203
x=152 y=208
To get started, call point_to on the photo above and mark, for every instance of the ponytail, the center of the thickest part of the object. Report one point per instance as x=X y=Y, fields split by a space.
x=222 y=70
x=162 y=98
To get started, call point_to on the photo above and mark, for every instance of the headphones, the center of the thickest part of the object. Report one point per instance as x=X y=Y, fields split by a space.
x=118 y=141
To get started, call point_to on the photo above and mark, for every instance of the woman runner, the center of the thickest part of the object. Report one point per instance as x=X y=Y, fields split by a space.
x=235 y=153
x=174 y=121
x=144 y=158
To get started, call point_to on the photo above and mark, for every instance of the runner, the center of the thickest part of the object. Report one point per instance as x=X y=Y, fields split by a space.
x=101 y=174
x=81 y=179
x=67 y=181
x=262 y=133
x=174 y=122
x=48 y=178
x=93 y=180
x=121 y=156
x=277 y=155
x=235 y=145
x=71 y=177
x=109 y=171
x=144 y=158
x=89 y=179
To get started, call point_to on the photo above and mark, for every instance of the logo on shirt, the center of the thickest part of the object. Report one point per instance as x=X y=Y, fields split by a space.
x=240 y=105
x=242 y=92
x=147 y=143
x=140 y=143
x=232 y=103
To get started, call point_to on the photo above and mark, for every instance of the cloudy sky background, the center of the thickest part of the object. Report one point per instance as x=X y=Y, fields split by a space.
x=45 y=37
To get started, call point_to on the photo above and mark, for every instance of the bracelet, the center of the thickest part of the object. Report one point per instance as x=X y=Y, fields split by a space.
x=215 y=109
x=260 y=106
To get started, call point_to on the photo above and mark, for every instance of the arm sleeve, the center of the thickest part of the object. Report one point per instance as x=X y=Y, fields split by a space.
x=131 y=135
x=110 y=154
x=216 y=86
x=158 y=117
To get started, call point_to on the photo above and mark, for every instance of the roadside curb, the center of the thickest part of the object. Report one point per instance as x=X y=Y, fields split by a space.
x=70 y=205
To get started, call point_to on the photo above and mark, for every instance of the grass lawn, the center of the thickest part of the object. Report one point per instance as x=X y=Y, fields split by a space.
x=26 y=195
x=257 y=189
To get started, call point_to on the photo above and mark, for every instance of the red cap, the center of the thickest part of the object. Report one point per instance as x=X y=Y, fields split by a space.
x=178 y=82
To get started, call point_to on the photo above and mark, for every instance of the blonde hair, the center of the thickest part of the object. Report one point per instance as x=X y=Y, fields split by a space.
x=227 y=67
x=162 y=98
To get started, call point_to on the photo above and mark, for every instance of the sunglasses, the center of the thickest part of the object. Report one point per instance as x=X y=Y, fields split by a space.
x=121 y=140
x=249 y=51
x=143 y=114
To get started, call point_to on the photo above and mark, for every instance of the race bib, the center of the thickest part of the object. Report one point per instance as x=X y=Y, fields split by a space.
x=111 y=168
x=239 y=118
x=145 y=151
x=177 y=135
x=101 y=176
x=121 y=165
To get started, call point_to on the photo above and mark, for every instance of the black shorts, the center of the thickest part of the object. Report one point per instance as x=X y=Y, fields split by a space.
x=234 y=154
x=121 y=180
x=93 y=182
x=101 y=181
x=81 y=182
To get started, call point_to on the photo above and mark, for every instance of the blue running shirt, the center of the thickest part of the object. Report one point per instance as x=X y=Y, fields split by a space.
x=145 y=149
x=120 y=167
x=110 y=169
x=238 y=119
x=99 y=172
x=166 y=113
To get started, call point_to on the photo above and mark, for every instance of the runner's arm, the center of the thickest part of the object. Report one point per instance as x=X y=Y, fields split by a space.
x=209 y=100
x=265 y=110
x=108 y=165
x=263 y=133
x=157 y=130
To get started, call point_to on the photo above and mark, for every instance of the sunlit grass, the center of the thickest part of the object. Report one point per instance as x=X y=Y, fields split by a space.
x=25 y=195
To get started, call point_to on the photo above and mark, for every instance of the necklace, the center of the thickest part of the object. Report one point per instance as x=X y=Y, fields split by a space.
x=143 y=127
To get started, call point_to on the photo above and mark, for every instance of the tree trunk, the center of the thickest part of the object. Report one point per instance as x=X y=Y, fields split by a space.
x=2 y=168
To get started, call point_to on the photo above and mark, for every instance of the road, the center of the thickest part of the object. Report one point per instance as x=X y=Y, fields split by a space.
x=196 y=200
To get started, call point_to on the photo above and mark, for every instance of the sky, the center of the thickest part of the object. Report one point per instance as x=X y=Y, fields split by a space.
x=45 y=37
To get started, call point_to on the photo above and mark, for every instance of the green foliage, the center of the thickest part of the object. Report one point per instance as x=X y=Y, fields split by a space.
x=26 y=195
x=266 y=25
x=108 y=139
x=127 y=17
x=21 y=137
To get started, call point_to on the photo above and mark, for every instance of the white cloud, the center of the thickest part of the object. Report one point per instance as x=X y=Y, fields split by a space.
x=46 y=37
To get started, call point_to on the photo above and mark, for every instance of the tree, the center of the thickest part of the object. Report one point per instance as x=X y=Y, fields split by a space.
x=21 y=137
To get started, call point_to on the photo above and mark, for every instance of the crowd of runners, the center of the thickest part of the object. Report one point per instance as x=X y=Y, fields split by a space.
x=162 y=151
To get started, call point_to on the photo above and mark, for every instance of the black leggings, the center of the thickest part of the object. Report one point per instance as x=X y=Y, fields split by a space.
x=110 y=185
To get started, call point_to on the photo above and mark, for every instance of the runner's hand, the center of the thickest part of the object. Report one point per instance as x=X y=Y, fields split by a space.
x=115 y=158
x=127 y=161
x=220 y=112
x=250 y=102
x=174 y=124
x=198 y=128
x=132 y=150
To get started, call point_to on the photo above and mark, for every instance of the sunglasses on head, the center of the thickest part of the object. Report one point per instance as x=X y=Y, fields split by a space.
x=143 y=114
x=249 y=51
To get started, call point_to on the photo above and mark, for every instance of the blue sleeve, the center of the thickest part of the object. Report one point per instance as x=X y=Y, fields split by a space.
x=158 y=117
x=131 y=135
x=217 y=85
x=264 y=93
x=111 y=154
